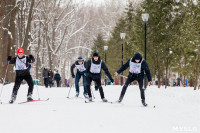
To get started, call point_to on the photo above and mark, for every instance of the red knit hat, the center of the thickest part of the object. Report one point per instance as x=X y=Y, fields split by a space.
x=20 y=50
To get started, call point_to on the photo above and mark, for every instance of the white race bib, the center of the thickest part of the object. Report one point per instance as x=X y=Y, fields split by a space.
x=81 y=67
x=95 y=68
x=135 y=67
x=21 y=64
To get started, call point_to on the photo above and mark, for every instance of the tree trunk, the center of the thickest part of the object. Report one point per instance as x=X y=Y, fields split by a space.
x=28 y=27
x=12 y=38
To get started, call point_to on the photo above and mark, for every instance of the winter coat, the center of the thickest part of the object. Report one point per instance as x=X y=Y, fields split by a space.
x=57 y=76
x=74 y=65
x=50 y=75
x=98 y=75
x=139 y=76
x=45 y=73
x=22 y=72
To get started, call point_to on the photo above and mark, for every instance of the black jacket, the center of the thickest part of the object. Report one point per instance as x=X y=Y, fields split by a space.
x=98 y=75
x=140 y=76
x=22 y=72
x=74 y=65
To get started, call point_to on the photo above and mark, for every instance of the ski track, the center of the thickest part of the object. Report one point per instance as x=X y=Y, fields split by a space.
x=175 y=108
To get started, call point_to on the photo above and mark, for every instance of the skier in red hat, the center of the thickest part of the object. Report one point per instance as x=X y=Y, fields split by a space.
x=22 y=73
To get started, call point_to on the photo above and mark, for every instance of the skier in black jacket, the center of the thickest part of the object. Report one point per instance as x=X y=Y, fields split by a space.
x=80 y=64
x=137 y=67
x=93 y=71
x=22 y=72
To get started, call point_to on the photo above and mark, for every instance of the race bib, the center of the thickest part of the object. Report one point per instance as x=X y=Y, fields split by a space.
x=135 y=67
x=81 y=67
x=21 y=64
x=95 y=68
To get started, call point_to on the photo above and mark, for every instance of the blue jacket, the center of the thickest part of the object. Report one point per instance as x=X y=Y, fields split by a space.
x=57 y=76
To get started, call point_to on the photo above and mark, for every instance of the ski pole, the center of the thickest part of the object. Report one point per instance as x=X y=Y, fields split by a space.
x=123 y=76
x=37 y=88
x=4 y=81
x=69 y=90
x=92 y=94
x=36 y=83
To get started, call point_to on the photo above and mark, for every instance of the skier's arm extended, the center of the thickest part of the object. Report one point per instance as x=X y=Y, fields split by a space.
x=72 y=70
x=104 y=67
x=11 y=60
x=124 y=67
x=30 y=59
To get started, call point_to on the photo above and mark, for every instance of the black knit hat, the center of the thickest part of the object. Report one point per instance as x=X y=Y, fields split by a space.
x=95 y=54
x=137 y=56
x=80 y=59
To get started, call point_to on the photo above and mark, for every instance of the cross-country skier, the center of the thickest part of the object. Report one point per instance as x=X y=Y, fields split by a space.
x=80 y=64
x=22 y=72
x=93 y=70
x=137 y=67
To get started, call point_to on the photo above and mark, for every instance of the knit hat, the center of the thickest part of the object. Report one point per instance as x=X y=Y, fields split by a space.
x=20 y=50
x=95 y=54
x=137 y=56
x=80 y=59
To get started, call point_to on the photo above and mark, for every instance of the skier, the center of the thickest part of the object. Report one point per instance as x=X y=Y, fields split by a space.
x=93 y=70
x=80 y=64
x=137 y=67
x=45 y=76
x=57 y=78
x=22 y=72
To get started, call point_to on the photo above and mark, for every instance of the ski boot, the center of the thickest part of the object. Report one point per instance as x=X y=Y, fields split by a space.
x=96 y=88
x=90 y=99
x=85 y=95
x=120 y=99
x=29 y=97
x=144 y=103
x=104 y=100
x=77 y=94
x=13 y=98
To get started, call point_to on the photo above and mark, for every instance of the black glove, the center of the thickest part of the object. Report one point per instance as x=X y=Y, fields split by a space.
x=73 y=76
x=31 y=57
x=112 y=80
x=9 y=58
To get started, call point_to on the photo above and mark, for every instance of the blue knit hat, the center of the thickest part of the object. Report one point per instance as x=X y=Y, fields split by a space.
x=80 y=59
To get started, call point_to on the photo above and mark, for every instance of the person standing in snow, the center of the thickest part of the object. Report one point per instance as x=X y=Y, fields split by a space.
x=45 y=76
x=80 y=64
x=178 y=81
x=93 y=71
x=57 y=78
x=50 y=78
x=137 y=67
x=22 y=72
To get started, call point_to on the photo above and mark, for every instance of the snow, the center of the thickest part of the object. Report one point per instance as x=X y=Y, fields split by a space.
x=177 y=109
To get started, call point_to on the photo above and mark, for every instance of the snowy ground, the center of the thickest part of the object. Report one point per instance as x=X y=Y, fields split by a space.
x=177 y=109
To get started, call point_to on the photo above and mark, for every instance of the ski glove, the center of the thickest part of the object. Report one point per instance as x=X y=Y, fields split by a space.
x=112 y=80
x=31 y=57
x=9 y=58
x=73 y=76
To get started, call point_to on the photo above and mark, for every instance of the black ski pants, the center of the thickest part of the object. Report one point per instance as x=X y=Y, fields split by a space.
x=46 y=81
x=98 y=82
x=128 y=81
x=18 y=81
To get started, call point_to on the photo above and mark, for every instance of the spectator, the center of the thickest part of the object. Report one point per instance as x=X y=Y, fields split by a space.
x=45 y=76
x=50 y=78
x=57 y=78
x=178 y=81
